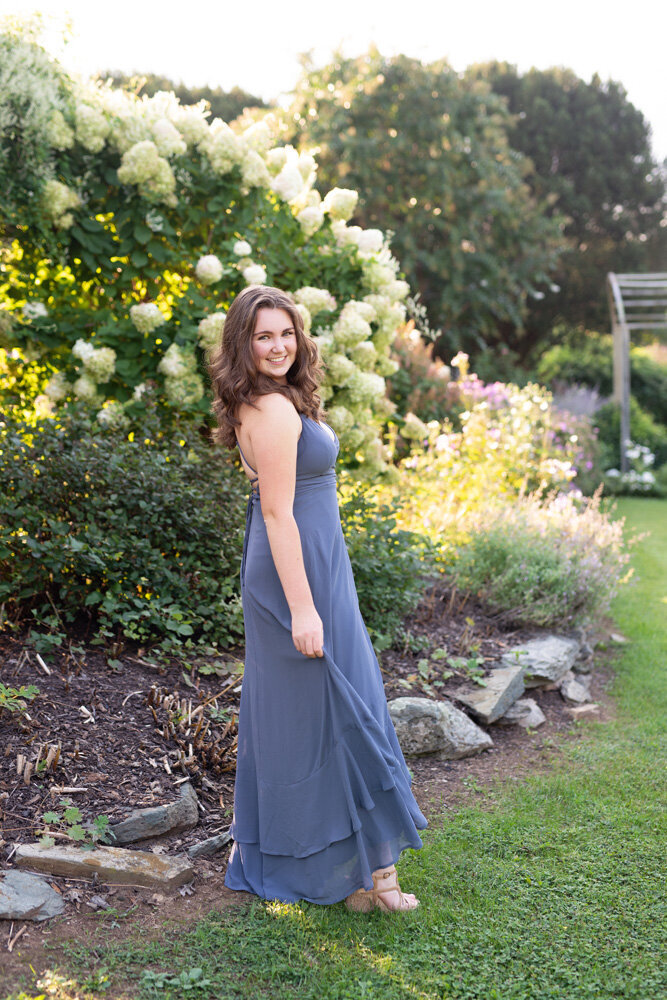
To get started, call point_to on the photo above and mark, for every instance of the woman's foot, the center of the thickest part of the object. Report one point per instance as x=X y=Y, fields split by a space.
x=386 y=894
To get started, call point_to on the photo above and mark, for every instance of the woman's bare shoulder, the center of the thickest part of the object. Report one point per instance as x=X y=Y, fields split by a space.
x=268 y=408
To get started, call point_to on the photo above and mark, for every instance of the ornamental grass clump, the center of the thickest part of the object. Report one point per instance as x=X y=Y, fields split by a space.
x=543 y=561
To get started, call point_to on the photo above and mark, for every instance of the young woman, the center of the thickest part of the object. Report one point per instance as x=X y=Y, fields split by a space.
x=322 y=802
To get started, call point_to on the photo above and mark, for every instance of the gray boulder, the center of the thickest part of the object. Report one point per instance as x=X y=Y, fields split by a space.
x=158 y=820
x=575 y=689
x=503 y=686
x=28 y=897
x=525 y=712
x=425 y=726
x=545 y=660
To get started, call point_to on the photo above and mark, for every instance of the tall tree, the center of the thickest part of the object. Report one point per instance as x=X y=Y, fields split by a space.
x=592 y=156
x=428 y=152
x=225 y=104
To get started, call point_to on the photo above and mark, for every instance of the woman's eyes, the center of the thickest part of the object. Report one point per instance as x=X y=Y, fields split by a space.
x=265 y=336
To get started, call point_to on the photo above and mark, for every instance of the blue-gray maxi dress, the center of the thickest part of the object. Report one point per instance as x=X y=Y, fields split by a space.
x=322 y=796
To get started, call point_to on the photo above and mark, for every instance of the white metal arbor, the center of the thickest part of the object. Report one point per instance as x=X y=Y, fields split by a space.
x=636 y=302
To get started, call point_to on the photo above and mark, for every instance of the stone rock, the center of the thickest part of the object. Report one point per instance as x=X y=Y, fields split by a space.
x=575 y=689
x=426 y=726
x=617 y=637
x=157 y=820
x=503 y=687
x=28 y=897
x=544 y=660
x=110 y=864
x=524 y=712
x=206 y=848
x=584 y=662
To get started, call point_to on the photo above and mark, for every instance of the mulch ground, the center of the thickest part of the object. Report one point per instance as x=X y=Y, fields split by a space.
x=128 y=731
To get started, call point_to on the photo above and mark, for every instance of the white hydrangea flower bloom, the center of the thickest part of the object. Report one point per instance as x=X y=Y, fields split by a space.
x=222 y=147
x=160 y=187
x=58 y=133
x=101 y=364
x=241 y=248
x=33 y=310
x=370 y=241
x=139 y=163
x=340 y=418
x=365 y=387
x=379 y=277
x=209 y=269
x=351 y=328
x=254 y=171
x=310 y=219
x=139 y=391
x=307 y=167
x=191 y=122
x=254 y=274
x=398 y=290
x=57 y=199
x=304 y=313
x=257 y=136
x=113 y=416
x=146 y=317
x=57 y=387
x=340 y=369
x=83 y=350
x=176 y=363
x=365 y=356
x=210 y=330
x=288 y=184
x=184 y=390
x=385 y=366
x=340 y=203
x=276 y=158
x=92 y=127
x=363 y=308
x=85 y=389
x=167 y=138
x=345 y=235
x=315 y=300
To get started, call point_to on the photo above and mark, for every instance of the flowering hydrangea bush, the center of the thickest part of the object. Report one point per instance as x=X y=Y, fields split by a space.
x=147 y=220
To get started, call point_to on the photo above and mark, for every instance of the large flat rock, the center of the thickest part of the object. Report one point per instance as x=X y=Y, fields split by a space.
x=158 y=820
x=425 y=726
x=110 y=864
x=503 y=687
x=545 y=660
x=28 y=897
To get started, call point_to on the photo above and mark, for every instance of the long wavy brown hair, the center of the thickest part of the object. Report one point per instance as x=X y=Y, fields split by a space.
x=233 y=371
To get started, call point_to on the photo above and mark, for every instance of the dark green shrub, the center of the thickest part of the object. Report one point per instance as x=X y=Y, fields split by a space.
x=643 y=430
x=589 y=361
x=390 y=566
x=142 y=537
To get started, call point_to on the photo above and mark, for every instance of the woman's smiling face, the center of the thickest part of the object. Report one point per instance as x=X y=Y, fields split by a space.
x=274 y=343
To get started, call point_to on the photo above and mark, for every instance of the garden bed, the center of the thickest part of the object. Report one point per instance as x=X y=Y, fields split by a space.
x=120 y=756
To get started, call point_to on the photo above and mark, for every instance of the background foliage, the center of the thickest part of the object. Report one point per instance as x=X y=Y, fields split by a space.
x=429 y=152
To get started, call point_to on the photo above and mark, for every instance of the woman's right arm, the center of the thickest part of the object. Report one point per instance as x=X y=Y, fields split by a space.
x=273 y=428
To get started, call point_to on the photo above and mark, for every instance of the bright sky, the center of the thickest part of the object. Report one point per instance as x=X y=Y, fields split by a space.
x=256 y=45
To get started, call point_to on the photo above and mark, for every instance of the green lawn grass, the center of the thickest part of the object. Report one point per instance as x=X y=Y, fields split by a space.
x=557 y=891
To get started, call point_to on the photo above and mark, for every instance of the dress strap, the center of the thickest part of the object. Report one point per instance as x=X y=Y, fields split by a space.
x=247 y=462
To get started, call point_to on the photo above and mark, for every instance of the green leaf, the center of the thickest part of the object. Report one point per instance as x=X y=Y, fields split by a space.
x=76 y=832
x=73 y=815
x=51 y=817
